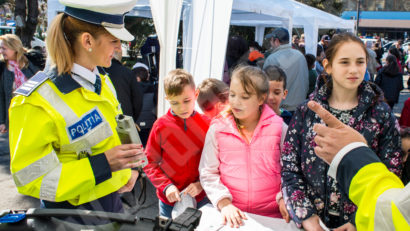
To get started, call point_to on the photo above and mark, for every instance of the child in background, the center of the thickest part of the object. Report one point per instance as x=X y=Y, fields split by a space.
x=310 y=60
x=239 y=168
x=277 y=91
x=213 y=96
x=255 y=58
x=405 y=146
x=141 y=73
x=175 y=144
x=310 y=194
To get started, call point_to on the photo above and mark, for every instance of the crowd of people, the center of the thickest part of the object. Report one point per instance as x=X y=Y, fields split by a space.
x=252 y=150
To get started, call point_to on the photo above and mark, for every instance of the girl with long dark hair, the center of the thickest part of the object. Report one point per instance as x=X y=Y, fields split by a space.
x=310 y=194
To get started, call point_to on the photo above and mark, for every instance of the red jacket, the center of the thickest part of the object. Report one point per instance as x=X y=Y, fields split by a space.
x=174 y=150
x=405 y=114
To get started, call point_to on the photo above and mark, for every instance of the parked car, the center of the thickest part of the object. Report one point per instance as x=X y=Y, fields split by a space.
x=36 y=42
x=387 y=45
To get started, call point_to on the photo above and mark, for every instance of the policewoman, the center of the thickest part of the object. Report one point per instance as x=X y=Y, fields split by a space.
x=63 y=141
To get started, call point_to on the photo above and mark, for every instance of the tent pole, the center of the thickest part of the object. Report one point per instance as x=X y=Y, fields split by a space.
x=358 y=17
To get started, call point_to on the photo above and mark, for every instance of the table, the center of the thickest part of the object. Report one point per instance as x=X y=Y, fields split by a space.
x=211 y=220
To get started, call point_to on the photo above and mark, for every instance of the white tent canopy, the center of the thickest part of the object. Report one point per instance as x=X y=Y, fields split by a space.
x=273 y=13
x=166 y=16
x=311 y=19
x=206 y=27
x=260 y=14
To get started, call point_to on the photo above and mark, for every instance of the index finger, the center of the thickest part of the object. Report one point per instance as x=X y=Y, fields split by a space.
x=328 y=118
x=126 y=147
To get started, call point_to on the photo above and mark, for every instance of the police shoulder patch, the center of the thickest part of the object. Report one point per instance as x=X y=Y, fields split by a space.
x=30 y=85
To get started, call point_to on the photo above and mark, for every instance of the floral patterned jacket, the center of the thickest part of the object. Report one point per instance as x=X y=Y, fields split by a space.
x=306 y=188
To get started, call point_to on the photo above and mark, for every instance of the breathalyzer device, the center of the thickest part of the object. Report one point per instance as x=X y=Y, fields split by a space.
x=128 y=133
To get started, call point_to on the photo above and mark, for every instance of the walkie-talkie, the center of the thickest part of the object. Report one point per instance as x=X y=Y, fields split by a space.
x=128 y=133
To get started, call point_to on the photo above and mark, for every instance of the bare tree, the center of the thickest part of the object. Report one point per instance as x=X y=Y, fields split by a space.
x=26 y=16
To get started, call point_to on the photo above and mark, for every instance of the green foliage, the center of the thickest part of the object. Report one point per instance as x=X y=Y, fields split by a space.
x=246 y=32
x=141 y=28
x=3 y=2
x=331 y=6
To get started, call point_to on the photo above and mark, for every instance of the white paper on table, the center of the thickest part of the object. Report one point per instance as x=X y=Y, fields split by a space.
x=211 y=220
x=186 y=202
x=250 y=224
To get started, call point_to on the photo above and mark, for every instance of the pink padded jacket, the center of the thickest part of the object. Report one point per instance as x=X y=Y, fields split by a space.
x=248 y=174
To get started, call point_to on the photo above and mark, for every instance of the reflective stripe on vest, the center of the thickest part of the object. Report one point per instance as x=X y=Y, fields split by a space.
x=49 y=184
x=402 y=201
x=36 y=169
x=57 y=103
x=383 y=211
x=90 y=135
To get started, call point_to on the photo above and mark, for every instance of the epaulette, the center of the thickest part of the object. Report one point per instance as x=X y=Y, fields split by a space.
x=30 y=85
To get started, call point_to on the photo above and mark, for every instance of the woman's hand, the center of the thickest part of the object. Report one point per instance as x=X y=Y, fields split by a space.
x=283 y=211
x=131 y=182
x=231 y=214
x=193 y=189
x=346 y=227
x=172 y=194
x=3 y=128
x=124 y=156
x=312 y=224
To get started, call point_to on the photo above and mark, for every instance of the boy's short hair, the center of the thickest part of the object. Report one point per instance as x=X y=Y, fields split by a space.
x=176 y=80
x=275 y=73
x=310 y=60
x=210 y=92
x=141 y=72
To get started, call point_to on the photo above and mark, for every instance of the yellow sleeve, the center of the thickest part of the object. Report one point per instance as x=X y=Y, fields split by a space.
x=34 y=164
x=375 y=190
x=383 y=203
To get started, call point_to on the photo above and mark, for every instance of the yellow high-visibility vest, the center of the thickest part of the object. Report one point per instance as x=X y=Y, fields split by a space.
x=383 y=203
x=51 y=135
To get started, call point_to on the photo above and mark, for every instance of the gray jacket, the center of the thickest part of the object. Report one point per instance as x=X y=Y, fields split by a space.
x=6 y=88
x=294 y=65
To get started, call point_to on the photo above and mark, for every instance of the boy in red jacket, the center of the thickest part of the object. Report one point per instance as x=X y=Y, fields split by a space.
x=175 y=144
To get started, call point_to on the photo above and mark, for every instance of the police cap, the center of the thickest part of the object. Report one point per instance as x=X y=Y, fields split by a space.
x=107 y=13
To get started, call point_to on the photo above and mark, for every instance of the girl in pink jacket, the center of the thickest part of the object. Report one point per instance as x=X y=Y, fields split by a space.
x=239 y=168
